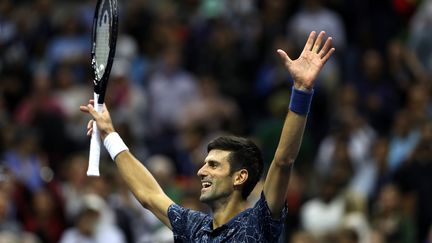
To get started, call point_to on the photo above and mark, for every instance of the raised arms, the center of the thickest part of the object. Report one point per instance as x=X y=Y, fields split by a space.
x=304 y=71
x=140 y=181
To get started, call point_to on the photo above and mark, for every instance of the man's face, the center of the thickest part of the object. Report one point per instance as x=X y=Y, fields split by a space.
x=217 y=183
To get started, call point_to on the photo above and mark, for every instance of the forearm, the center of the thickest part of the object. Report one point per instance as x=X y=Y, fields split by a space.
x=294 y=126
x=139 y=180
x=290 y=140
x=276 y=183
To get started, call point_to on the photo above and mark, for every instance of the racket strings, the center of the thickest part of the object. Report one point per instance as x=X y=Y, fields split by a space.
x=102 y=45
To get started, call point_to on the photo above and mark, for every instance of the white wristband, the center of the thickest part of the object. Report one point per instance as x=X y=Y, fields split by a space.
x=114 y=144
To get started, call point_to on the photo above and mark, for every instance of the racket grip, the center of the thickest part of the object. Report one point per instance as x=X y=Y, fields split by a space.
x=95 y=144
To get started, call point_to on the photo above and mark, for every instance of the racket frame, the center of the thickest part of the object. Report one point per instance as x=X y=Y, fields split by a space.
x=101 y=85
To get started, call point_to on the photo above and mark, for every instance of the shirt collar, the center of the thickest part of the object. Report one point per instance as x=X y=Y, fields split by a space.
x=208 y=227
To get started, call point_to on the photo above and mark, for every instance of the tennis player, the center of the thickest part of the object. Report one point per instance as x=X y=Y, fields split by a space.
x=231 y=169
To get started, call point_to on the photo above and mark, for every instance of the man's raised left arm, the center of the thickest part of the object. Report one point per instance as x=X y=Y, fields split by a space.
x=304 y=71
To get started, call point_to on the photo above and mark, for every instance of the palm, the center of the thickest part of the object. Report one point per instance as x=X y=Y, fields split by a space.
x=305 y=69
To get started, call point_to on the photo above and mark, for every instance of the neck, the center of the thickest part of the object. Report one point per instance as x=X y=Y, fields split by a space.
x=225 y=210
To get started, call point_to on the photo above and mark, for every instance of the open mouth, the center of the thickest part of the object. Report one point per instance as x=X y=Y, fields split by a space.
x=206 y=184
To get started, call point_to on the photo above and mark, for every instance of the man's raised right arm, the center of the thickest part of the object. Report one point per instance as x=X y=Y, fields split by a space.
x=139 y=180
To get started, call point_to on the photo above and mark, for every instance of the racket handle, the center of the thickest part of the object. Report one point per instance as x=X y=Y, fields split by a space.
x=95 y=144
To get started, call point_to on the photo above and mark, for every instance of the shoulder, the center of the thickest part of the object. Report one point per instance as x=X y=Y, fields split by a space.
x=262 y=210
x=257 y=222
x=184 y=219
x=176 y=212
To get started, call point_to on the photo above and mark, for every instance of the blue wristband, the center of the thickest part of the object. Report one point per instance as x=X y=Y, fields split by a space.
x=300 y=101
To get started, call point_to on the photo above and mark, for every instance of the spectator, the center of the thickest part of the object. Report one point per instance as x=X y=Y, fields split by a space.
x=374 y=173
x=420 y=36
x=376 y=91
x=170 y=88
x=414 y=179
x=352 y=136
x=315 y=16
x=403 y=141
x=389 y=219
x=8 y=222
x=24 y=159
x=74 y=184
x=323 y=215
x=46 y=219
x=89 y=226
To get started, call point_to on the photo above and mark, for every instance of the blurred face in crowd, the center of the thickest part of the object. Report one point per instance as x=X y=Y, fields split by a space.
x=423 y=150
x=88 y=222
x=389 y=199
x=171 y=59
x=5 y=6
x=216 y=179
x=402 y=124
x=348 y=95
x=372 y=64
x=395 y=50
x=28 y=145
x=329 y=190
x=43 y=203
x=380 y=150
x=380 y=153
x=3 y=205
x=76 y=172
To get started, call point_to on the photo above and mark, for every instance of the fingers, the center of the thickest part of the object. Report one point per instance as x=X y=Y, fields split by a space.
x=84 y=108
x=90 y=124
x=310 y=41
x=284 y=56
x=92 y=111
x=96 y=116
x=90 y=128
x=318 y=42
x=90 y=131
x=325 y=52
x=326 y=47
x=104 y=108
x=328 y=55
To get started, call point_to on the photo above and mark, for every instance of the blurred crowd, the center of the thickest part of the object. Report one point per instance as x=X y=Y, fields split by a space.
x=186 y=71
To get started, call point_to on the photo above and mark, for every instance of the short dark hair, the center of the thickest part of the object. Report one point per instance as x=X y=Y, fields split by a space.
x=245 y=154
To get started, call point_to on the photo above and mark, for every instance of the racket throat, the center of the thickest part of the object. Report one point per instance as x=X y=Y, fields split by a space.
x=98 y=101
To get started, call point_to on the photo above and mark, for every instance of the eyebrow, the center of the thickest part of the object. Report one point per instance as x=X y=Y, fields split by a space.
x=212 y=161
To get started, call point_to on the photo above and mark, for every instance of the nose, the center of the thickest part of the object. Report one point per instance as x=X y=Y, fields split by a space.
x=202 y=172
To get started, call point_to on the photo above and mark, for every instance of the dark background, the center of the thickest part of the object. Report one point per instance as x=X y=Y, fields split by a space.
x=187 y=71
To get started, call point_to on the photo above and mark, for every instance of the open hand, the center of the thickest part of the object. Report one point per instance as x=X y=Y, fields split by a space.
x=305 y=69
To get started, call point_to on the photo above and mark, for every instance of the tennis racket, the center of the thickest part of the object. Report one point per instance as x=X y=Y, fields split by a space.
x=104 y=38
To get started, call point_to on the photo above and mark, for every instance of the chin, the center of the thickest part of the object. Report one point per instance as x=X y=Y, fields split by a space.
x=205 y=199
x=208 y=198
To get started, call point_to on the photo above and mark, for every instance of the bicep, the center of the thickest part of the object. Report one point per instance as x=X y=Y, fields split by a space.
x=275 y=188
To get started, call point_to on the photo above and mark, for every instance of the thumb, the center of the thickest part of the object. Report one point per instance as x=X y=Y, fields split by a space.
x=284 y=56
